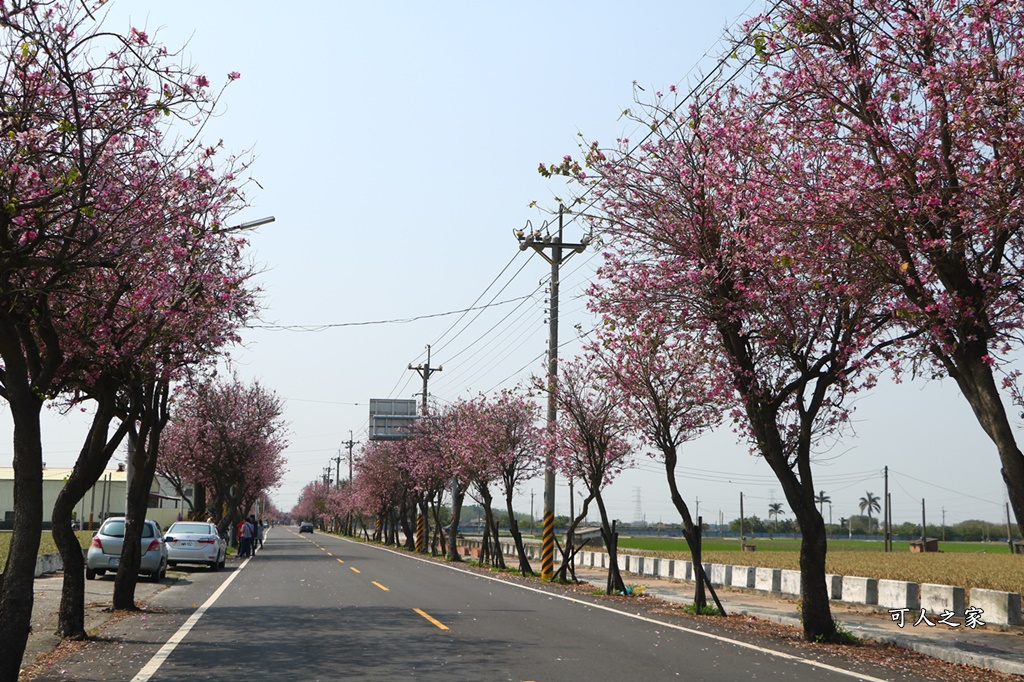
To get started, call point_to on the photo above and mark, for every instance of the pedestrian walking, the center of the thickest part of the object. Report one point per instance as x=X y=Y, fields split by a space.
x=245 y=539
x=258 y=537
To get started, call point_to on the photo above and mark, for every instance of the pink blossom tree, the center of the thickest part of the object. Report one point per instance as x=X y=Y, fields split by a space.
x=227 y=438
x=706 y=236
x=589 y=445
x=917 y=104
x=671 y=393
x=80 y=134
x=514 y=444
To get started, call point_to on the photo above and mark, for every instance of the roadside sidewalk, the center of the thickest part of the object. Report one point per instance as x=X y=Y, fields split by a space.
x=982 y=647
x=42 y=640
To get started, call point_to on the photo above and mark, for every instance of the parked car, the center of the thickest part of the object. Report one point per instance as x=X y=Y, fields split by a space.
x=194 y=542
x=105 y=550
x=305 y=527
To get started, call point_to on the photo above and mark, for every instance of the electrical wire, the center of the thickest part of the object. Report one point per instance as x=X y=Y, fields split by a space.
x=402 y=320
x=482 y=293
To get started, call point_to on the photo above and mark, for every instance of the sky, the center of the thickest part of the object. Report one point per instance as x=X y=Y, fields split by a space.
x=397 y=144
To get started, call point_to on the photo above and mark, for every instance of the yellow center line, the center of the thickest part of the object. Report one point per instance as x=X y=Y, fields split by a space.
x=355 y=569
x=329 y=554
x=341 y=561
x=381 y=586
x=433 y=620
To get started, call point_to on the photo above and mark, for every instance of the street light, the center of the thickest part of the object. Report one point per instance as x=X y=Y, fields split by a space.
x=251 y=224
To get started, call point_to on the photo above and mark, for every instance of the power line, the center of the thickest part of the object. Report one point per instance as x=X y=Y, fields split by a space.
x=403 y=320
x=486 y=289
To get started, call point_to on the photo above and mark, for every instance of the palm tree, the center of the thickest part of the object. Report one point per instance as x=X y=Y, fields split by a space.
x=774 y=509
x=869 y=503
x=822 y=499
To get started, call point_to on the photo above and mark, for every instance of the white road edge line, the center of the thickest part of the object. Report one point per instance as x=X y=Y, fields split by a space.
x=720 y=638
x=159 y=657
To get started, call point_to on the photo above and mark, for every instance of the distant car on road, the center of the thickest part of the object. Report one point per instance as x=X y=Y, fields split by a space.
x=105 y=550
x=305 y=527
x=194 y=542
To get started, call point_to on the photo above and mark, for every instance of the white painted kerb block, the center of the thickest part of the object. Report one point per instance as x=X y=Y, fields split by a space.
x=721 y=574
x=940 y=598
x=790 y=582
x=898 y=594
x=768 y=579
x=743 y=576
x=1002 y=608
x=857 y=590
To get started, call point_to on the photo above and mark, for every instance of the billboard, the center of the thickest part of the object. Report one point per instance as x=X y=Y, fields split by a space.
x=391 y=419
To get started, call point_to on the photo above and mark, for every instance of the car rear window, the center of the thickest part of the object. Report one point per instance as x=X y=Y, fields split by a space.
x=115 y=529
x=197 y=528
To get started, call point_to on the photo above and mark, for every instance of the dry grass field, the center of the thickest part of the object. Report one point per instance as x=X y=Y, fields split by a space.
x=989 y=571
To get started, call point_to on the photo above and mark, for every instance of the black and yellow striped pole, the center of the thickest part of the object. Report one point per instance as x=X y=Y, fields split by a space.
x=421 y=533
x=539 y=241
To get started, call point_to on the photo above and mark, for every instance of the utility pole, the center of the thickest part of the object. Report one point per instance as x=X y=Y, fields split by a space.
x=349 y=444
x=887 y=538
x=743 y=538
x=924 y=528
x=425 y=371
x=327 y=475
x=1009 y=528
x=421 y=522
x=560 y=253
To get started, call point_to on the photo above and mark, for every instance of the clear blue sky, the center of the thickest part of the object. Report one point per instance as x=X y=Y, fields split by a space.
x=397 y=146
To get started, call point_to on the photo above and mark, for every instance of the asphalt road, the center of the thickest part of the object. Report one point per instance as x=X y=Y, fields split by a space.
x=318 y=607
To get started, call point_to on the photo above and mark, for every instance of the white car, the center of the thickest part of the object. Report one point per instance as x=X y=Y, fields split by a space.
x=195 y=542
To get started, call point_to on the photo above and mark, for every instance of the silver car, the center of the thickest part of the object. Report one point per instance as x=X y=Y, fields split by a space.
x=195 y=542
x=105 y=550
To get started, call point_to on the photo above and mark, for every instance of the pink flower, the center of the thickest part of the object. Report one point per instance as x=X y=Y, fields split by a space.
x=234 y=75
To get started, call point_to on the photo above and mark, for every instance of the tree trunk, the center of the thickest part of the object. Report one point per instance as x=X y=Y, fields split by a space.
x=563 y=570
x=199 y=500
x=978 y=385
x=517 y=537
x=499 y=556
x=92 y=460
x=437 y=542
x=16 y=589
x=615 y=583
x=153 y=415
x=690 y=532
x=459 y=494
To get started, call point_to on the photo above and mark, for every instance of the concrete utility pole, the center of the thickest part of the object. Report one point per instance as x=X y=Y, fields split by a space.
x=349 y=444
x=425 y=371
x=560 y=253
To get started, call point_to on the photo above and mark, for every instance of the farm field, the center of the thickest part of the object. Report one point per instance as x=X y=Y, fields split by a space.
x=964 y=564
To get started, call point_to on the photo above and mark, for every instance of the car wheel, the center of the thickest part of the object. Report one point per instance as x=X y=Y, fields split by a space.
x=223 y=560
x=214 y=565
x=172 y=564
x=90 y=574
x=100 y=572
x=162 y=573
